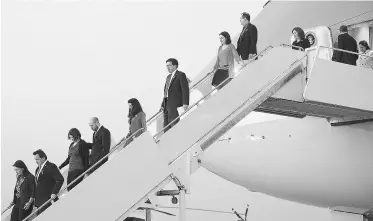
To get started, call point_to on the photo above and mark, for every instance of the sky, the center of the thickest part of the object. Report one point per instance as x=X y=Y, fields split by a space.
x=66 y=61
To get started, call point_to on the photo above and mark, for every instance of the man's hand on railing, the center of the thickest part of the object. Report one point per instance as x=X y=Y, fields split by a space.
x=53 y=196
x=185 y=107
x=251 y=56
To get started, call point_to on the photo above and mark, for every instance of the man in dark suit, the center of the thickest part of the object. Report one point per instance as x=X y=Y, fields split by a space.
x=246 y=44
x=48 y=179
x=348 y=43
x=176 y=94
x=100 y=144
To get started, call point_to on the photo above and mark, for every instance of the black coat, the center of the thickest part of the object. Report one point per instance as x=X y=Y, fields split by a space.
x=27 y=190
x=304 y=43
x=178 y=91
x=49 y=182
x=246 y=43
x=348 y=43
x=83 y=152
x=100 y=145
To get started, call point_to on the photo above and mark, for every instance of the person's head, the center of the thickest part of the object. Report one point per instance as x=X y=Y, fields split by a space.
x=172 y=64
x=298 y=33
x=74 y=134
x=245 y=18
x=311 y=39
x=343 y=29
x=20 y=168
x=225 y=38
x=40 y=157
x=363 y=46
x=94 y=123
x=134 y=107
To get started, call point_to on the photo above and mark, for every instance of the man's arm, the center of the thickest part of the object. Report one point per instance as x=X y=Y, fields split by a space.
x=184 y=88
x=106 y=141
x=84 y=154
x=254 y=39
x=58 y=179
x=238 y=47
x=340 y=46
x=356 y=50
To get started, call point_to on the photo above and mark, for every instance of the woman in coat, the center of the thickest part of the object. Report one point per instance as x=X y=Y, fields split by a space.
x=23 y=197
x=224 y=66
x=136 y=120
x=365 y=61
x=300 y=39
x=77 y=158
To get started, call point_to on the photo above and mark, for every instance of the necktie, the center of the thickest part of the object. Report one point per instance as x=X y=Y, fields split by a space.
x=168 y=81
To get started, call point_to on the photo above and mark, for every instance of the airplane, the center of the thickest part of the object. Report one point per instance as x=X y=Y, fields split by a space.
x=320 y=155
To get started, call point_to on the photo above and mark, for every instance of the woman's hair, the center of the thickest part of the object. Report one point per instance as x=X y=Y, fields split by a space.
x=136 y=107
x=365 y=44
x=227 y=37
x=74 y=133
x=22 y=165
x=300 y=32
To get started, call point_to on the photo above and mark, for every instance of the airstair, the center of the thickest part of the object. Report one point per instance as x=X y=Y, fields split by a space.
x=146 y=165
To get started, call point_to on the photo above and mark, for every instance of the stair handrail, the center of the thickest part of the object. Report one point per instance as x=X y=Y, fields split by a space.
x=220 y=122
x=338 y=49
x=6 y=209
x=156 y=115
x=11 y=205
x=85 y=172
x=149 y=121
x=292 y=46
x=155 y=137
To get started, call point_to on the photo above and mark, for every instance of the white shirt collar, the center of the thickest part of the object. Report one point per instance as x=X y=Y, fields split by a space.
x=98 y=128
x=173 y=74
x=43 y=164
x=41 y=168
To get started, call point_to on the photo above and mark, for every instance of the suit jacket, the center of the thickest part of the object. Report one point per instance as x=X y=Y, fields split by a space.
x=100 y=145
x=348 y=43
x=246 y=43
x=27 y=190
x=178 y=91
x=84 y=154
x=49 y=182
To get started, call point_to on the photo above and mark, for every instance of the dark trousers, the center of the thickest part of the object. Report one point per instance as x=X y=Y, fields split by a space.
x=71 y=176
x=97 y=166
x=18 y=213
x=170 y=114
